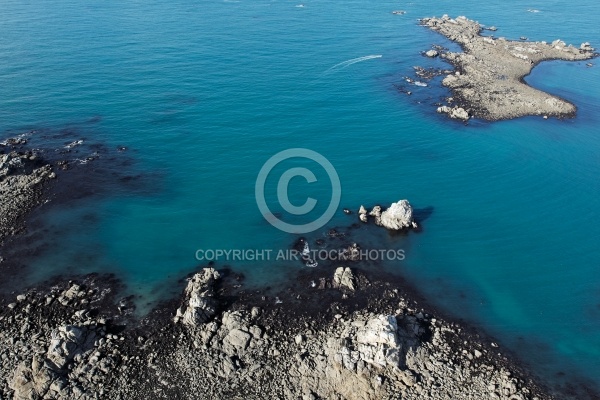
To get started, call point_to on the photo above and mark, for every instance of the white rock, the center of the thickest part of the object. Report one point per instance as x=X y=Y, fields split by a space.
x=398 y=216
x=459 y=113
x=344 y=278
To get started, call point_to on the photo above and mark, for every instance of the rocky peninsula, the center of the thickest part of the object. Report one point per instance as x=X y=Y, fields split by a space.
x=488 y=79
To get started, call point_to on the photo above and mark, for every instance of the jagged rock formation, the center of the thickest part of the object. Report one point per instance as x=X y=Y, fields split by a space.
x=488 y=81
x=344 y=278
x=397 y=217
x=200 y=304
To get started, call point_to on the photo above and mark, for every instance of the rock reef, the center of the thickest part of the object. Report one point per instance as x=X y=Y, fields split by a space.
x=488 y=80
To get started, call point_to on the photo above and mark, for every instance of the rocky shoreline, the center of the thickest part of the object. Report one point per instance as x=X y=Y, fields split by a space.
x=354 y=335
x=23 y=177
x=488 y=79
x=356 y=338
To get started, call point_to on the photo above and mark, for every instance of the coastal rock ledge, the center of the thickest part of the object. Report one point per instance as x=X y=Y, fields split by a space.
x=488 y=79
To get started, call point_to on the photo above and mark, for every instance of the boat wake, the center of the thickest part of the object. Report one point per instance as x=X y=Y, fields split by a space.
x=348 y=63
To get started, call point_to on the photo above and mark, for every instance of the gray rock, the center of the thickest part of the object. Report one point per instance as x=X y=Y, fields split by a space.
x=234 y=320
x=200 y=305
x=454 y=112
x=68 y=341
x=238 y=338
x=376 y=212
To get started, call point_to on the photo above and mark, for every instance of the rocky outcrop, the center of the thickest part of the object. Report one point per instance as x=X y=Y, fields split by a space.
x=363 y=355
x=397 y=217
x=362 y=214
x=454 y=112
x=48 y=377
x=67 y=342
x=200 y=304
x=21 y=178
x=376 y=213
x=488 y=80
x=343 y=278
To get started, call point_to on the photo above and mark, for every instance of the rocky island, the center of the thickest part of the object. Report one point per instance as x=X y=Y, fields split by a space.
x=488 y=79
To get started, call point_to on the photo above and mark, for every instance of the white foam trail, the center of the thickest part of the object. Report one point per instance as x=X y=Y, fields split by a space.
x=348 y=63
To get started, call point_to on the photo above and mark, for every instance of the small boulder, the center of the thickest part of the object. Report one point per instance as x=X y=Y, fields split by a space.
x=238 y=339
x=459 y=113
x=362 y=213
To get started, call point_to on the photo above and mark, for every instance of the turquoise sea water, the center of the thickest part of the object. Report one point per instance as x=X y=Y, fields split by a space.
x=203 y=93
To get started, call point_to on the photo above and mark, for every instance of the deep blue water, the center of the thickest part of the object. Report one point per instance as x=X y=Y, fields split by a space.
x=203 y=93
